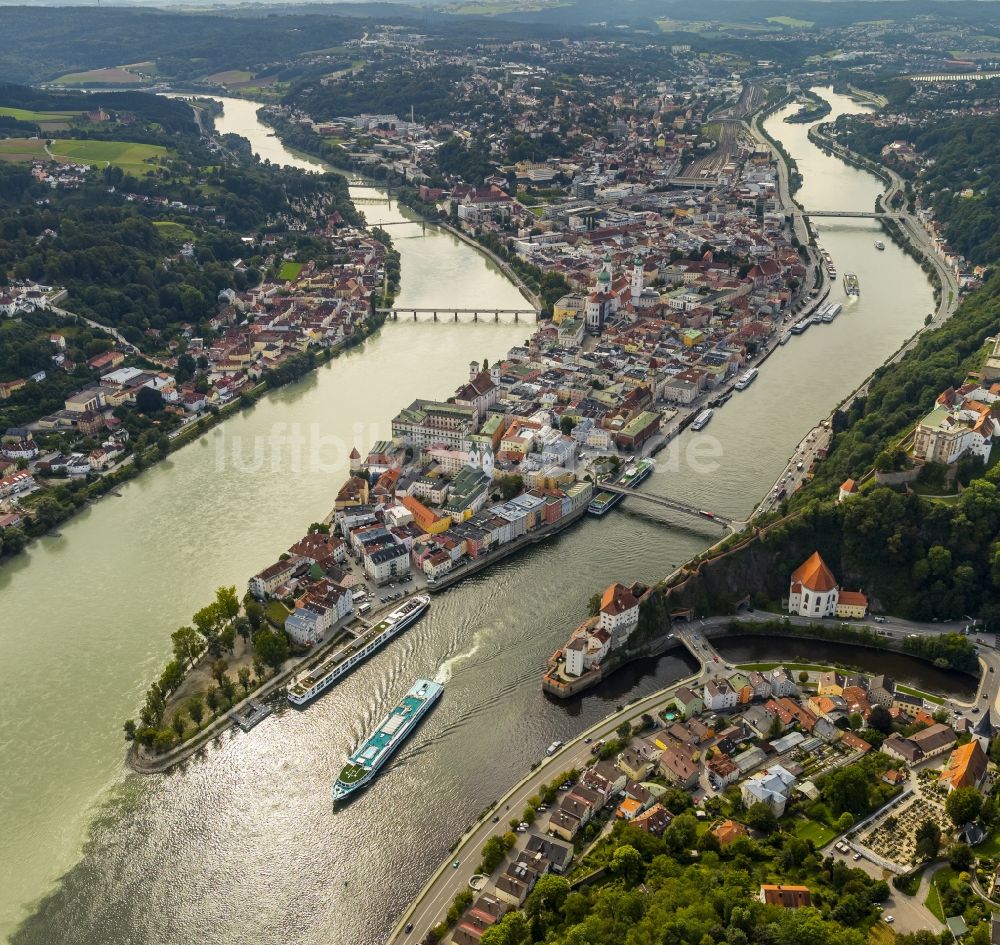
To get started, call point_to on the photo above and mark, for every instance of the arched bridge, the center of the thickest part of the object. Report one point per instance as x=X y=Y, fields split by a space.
x=855 y=214
x=477 y=314
x=674 y=506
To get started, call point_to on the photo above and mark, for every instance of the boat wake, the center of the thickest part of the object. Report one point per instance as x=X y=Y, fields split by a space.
x=443 y=675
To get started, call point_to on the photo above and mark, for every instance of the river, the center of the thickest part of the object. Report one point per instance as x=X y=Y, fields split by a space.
x=242 y=846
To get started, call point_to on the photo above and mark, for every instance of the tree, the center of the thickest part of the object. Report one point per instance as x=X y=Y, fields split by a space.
x=803 y=677
x=760 y=817
x=626 y=862
x=567 y=423
x=227 y=602
x=963 y=804
x=855 y=721
x=928 y=837
x=219 y=668
x=187 y=644
x=880 y=719
x=624 y=729
x=960 y=857
x=148 y=401
x=494 y=850
x=510 y=485
x=196 y=710
x=212 y=698
x=244 y=677
x=845 y=821
x=846 y=790
x=129 y=729
x=271 y=646
x=255 y=614
x=774 y=729
x=259 y=668
x=178 y=723
x=547 y=897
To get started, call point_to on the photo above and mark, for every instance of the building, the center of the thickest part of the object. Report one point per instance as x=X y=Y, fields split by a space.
x=619 y=613
x=266 y=582
x=719 y=696
x=727 y=831
x=852 y=605
x=787 y=897
x=387 y=564
x=772 y=786
x=966 y=767
x=813 y=591
x=948 y=433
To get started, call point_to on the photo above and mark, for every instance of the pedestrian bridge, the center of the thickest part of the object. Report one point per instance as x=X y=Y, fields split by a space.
x=674 y=506
x=478 y=314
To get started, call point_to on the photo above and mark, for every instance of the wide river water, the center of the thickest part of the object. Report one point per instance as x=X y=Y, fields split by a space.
x=242 y=845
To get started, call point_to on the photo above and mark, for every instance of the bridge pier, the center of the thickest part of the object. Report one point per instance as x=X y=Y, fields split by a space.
x=496 y=316
x=516 y=318
x=414 y=314
x=475 y=316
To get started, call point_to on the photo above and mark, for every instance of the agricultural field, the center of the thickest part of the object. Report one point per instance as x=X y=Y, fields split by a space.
x=133 y=158
x=116 y=76
x=791 y=22
x=229 y=78
x=21 y=150
x=46 y=121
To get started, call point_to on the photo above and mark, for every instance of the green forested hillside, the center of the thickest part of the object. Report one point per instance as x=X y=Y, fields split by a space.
x=683 y=890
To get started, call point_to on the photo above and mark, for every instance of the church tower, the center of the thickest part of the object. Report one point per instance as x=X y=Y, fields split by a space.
x=636 y=277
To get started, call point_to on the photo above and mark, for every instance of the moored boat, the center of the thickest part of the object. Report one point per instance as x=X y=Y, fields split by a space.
x=308 y=685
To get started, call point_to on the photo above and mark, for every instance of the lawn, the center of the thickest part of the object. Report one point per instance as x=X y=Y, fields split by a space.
x=289 y=271
x=100 y=77
x=819 y=833
x=131 y=157
x=16 y=150
x=809 y=667
x=791 y=22
x=174 y=232
x=276 y=612
x=47 y=121
x=989 y=848
x=941 y=878
x=229 y=77
x=937 y=700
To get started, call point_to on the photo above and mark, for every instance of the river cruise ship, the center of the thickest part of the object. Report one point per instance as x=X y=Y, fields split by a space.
x=391 y=732
x=851 y=284
x=746 y=379
x=633 y=474
x=831 y=312
x=308 y=685
x=701 y=421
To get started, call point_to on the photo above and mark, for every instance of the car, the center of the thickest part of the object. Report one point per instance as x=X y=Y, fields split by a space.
x=407 y=928
x=496 y=818
x=520 y=828
x=542 y=808
x=975 y=710
x=857 y=856
x=587 y=740
x=454 y=865
x=524 y=824
x=890 y=919
x=879 y=619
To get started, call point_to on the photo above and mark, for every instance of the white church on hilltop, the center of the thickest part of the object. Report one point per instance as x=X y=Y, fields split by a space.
x=814 y=592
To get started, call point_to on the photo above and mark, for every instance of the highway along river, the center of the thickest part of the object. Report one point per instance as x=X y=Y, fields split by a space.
x=242 y=846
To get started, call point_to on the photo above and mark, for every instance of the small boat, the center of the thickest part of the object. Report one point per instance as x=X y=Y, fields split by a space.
x=879 y=244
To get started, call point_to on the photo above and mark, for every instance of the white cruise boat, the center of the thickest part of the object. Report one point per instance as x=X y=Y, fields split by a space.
x=306 y=686
x=746 y=379
x=391 y=732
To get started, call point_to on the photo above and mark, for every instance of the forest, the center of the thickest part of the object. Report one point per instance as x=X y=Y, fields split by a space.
x=686 y=890
x=964 y=155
